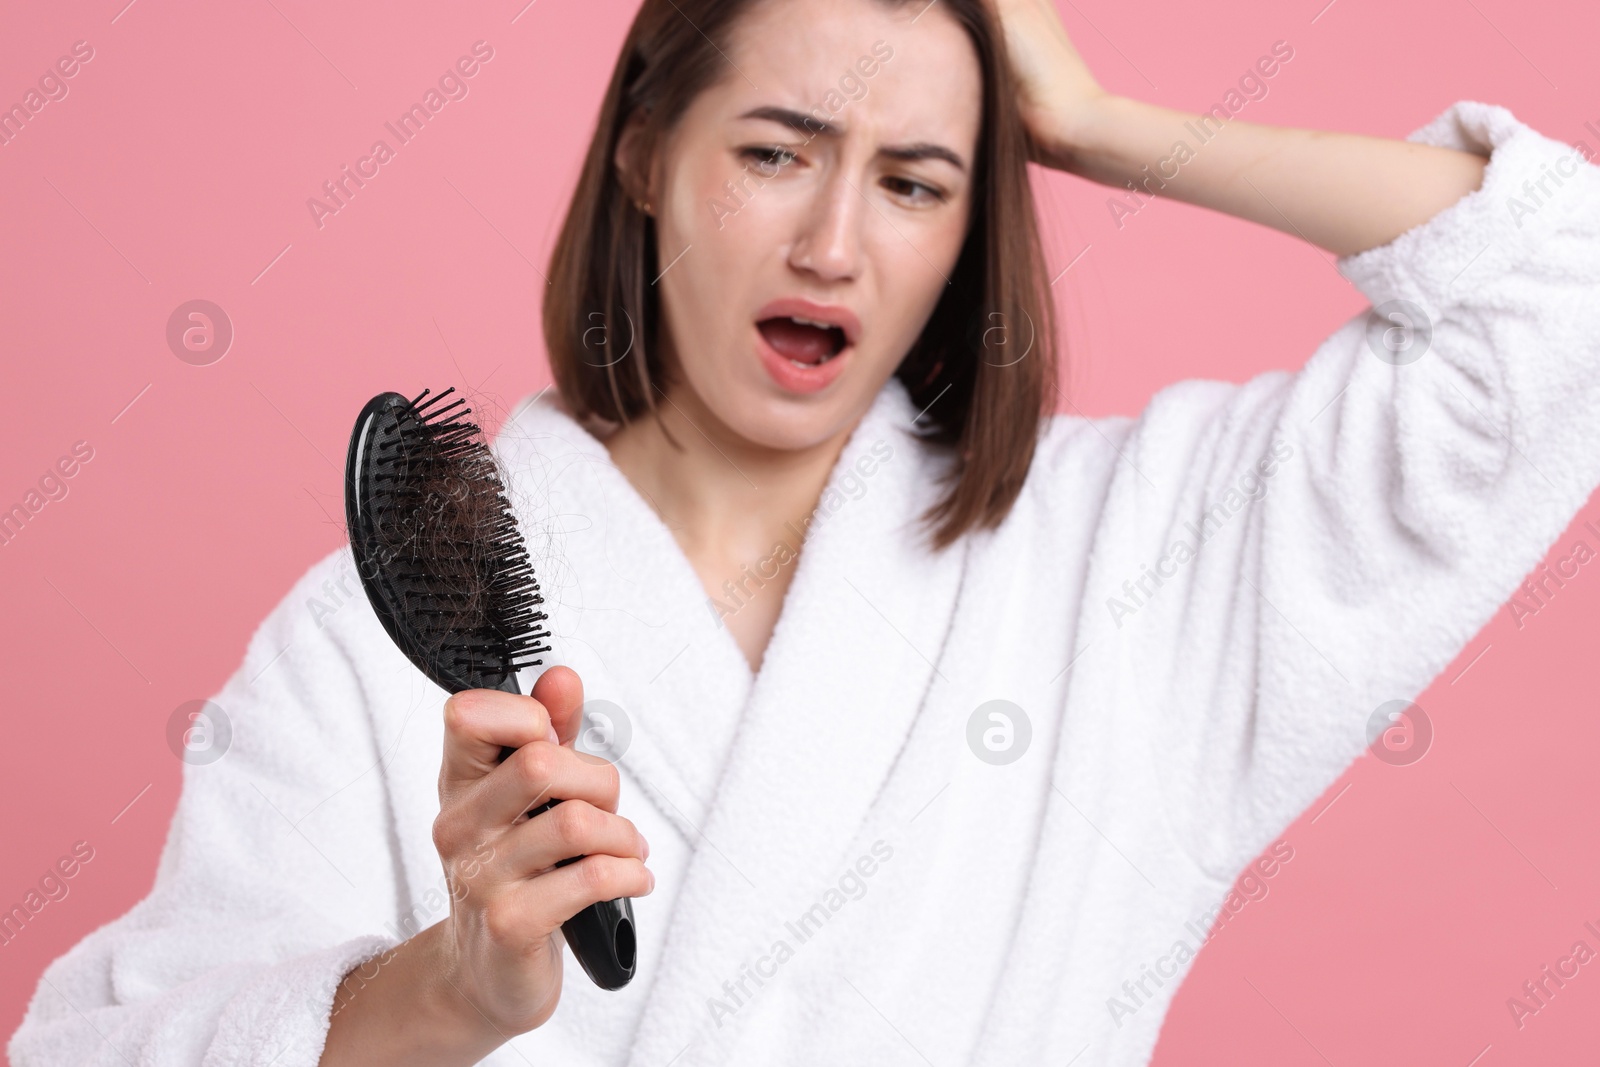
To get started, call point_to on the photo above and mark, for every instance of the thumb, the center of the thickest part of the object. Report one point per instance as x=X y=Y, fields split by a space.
x=560 y=690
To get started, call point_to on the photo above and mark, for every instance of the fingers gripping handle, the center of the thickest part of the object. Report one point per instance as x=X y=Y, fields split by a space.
x=600 y=936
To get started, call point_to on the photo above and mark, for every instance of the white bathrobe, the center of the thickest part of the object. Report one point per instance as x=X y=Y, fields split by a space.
x=848 y=870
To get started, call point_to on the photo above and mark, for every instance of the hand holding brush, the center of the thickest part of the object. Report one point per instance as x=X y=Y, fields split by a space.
x=527 y=831
x=493 y=968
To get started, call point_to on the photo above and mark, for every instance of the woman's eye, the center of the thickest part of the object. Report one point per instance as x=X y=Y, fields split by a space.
x=769 y=157
x=913 y=190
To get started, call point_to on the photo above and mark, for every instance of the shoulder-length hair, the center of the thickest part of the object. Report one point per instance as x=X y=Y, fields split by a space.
x=986 y=359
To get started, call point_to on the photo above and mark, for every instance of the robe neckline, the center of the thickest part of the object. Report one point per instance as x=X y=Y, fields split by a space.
x=642 y=594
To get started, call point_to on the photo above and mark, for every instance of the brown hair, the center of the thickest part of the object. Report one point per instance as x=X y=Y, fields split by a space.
x=985 y=404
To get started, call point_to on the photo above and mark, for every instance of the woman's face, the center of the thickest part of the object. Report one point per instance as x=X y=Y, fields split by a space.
x=854 y=222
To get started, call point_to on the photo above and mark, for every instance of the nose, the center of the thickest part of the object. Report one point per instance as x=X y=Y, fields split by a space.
x=829 y=242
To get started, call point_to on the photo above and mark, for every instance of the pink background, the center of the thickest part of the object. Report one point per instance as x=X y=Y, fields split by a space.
x=178 y=167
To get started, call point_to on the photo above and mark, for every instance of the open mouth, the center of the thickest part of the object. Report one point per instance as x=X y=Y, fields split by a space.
x=802 y=342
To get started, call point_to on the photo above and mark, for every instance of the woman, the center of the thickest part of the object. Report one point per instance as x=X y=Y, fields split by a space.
x=950 y=782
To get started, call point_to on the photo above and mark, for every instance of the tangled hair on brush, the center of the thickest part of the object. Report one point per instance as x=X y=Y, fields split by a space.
x=438 y=546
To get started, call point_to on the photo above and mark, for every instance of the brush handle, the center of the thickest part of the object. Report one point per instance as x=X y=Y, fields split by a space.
x=601 y=936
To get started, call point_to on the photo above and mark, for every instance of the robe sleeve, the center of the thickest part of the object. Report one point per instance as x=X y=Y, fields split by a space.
x=1348 y=528
x=274 y=873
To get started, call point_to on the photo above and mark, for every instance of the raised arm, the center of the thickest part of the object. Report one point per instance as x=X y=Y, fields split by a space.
x=1285 y=557
x=1343 y=192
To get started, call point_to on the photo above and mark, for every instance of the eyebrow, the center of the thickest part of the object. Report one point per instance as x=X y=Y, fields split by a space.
x=812 y=126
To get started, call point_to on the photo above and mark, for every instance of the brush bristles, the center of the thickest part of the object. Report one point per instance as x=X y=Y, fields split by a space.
x=458 y=559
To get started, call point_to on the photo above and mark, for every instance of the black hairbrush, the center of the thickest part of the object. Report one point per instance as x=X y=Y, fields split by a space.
x=446 y=569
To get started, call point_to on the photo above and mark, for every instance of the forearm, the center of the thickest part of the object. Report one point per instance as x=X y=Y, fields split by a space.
x=1343 y=192
x=401 y=1008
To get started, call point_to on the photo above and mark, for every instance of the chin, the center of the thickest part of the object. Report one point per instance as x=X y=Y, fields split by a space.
x=768 y=418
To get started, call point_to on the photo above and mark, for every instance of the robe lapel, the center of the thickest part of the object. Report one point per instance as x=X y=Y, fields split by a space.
x=627 y=612
x=843 y=679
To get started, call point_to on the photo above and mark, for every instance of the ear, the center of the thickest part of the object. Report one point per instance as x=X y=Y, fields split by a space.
x=635 y=161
